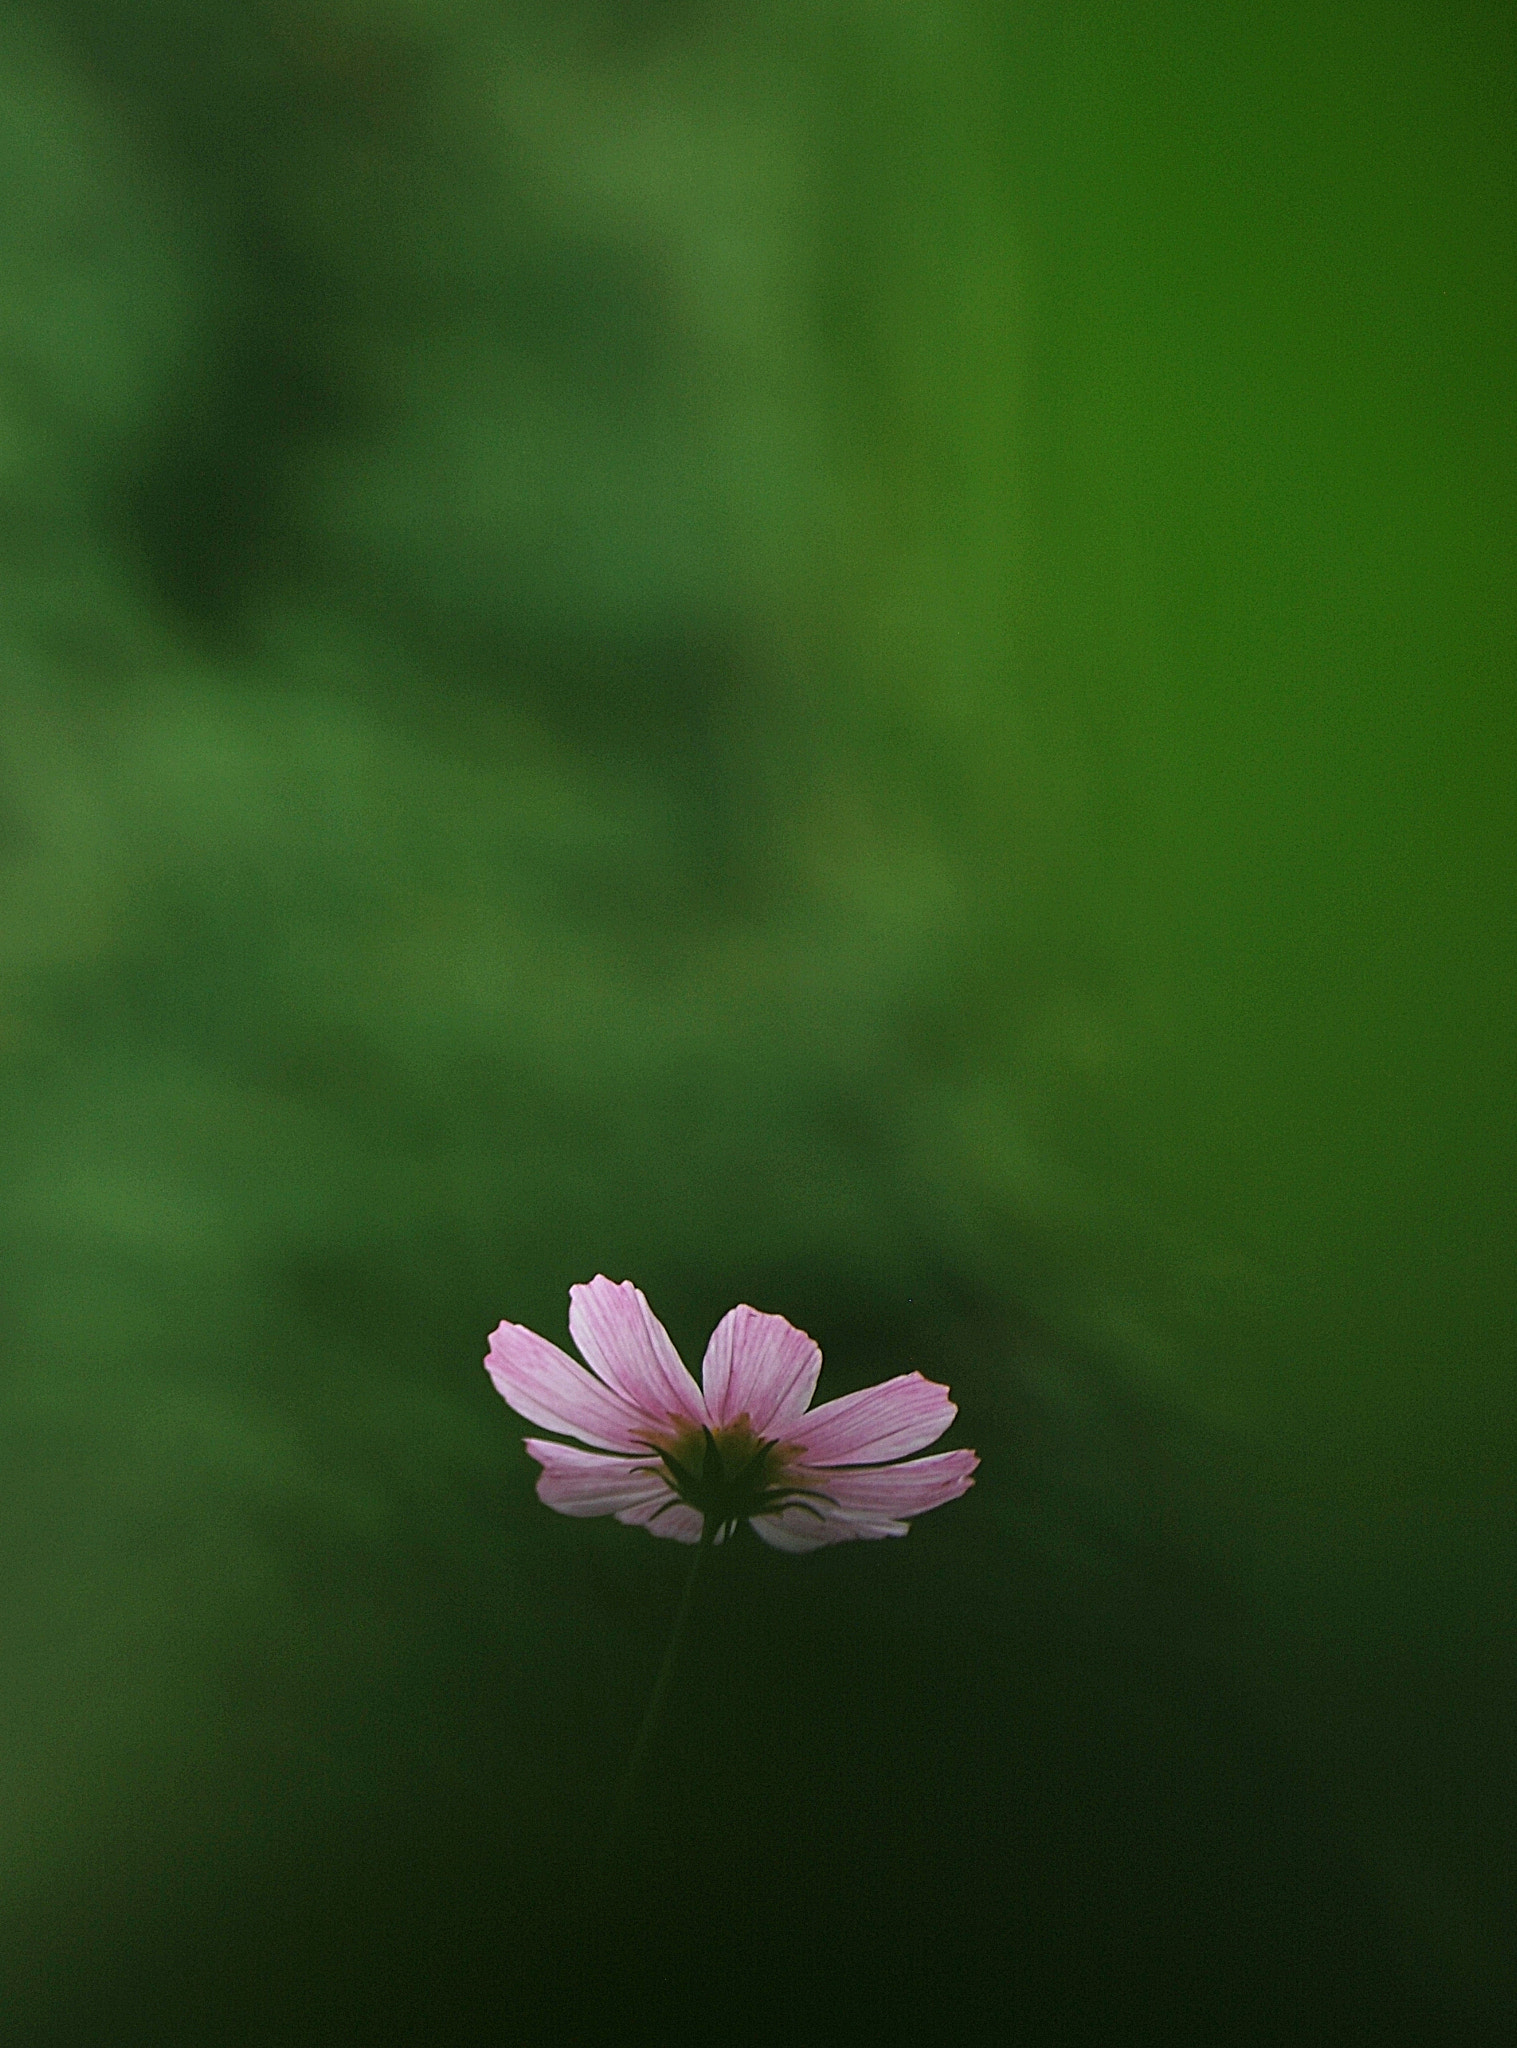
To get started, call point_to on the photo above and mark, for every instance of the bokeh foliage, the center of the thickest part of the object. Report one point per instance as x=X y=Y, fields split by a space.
x=855 y=656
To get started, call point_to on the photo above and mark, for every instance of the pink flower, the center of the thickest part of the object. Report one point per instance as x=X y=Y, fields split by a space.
x=681 y=1461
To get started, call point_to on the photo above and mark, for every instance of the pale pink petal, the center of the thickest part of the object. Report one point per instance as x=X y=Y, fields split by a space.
x=891 y=1420
x=550 y=1389
x=579 y=1482
x=893 y=1491
x=623 y=1340
x=670 y=1517
x=796 y=1530
x=761 y=1364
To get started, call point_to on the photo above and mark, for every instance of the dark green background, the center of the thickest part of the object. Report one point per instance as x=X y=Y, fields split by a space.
x=853 y=656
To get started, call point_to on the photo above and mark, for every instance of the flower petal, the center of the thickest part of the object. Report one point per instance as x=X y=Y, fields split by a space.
x=891 y=1492
x=888 y=1421
x=554 y=1391
x=669 y=1517
x=579 y=1482
x=796 y=1530
x=793 y=1530
x=621 y=1338
x=762 y=1364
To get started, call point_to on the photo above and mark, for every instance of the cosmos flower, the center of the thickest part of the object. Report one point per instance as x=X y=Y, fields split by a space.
x=686 y=1461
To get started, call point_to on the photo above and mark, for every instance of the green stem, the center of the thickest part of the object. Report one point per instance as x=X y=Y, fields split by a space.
x=628 y=1786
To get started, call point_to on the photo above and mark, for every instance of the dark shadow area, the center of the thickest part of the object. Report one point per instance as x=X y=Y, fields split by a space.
x=911 y=1791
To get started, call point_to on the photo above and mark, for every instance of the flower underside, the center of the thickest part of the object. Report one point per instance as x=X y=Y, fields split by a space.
x=729 y=1474
x=693 y=1461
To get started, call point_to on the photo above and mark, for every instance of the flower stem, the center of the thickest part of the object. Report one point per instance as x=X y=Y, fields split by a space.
x=626 y=1790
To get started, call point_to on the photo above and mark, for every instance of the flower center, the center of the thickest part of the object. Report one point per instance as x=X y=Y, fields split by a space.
x=727 y=1475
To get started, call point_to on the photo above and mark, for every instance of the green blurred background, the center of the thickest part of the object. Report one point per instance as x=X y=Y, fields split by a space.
x=855 y=656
